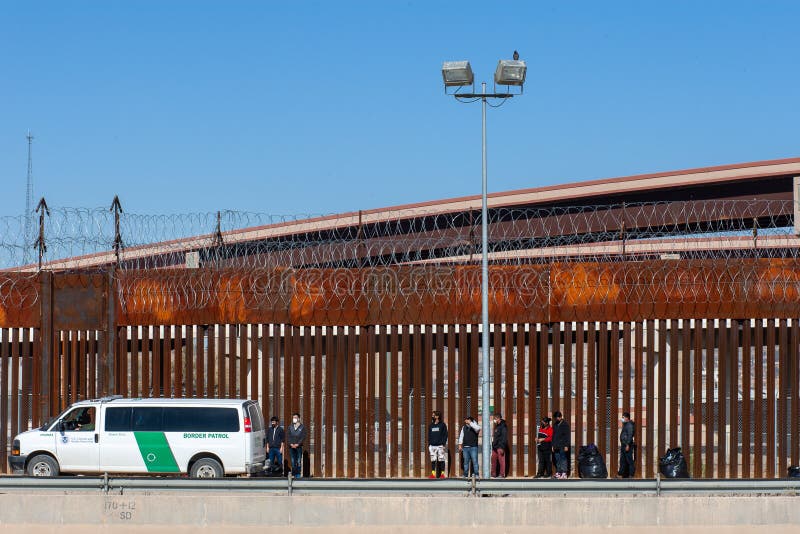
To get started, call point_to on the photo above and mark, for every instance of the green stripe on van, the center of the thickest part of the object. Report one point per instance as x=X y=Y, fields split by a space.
x=155 y=451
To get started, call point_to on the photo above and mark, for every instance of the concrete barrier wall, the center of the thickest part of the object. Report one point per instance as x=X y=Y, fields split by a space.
x=177 y=513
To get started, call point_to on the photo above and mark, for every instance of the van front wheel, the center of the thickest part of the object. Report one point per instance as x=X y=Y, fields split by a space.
x=43 y=465
x=206 y=468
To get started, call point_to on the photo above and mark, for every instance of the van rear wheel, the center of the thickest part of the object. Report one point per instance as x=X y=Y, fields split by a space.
x=43 y=465
x=206 y=468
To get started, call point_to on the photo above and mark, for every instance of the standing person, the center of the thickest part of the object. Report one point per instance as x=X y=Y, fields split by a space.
x=499 y=446
x=561 y=445
x=296 y=436
x=468 y=445
x=437 y=441
x=544 y=449
x=276 y=437
x=627 y=447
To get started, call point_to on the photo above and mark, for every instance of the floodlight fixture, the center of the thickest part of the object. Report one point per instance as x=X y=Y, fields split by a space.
x=510 y=72
x=457 y=73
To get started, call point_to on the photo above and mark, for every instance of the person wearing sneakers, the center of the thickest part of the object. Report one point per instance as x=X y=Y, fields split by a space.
x=561 y=435
x=437 y=441
x=468 y=445
x=499 y=447
x=544 y=449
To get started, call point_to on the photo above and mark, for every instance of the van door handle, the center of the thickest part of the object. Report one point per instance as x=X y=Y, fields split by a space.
x=96 y=438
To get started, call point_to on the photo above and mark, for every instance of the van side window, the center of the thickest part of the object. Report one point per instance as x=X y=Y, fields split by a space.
x=201 y=420
x=147 y=419
x=118 y=419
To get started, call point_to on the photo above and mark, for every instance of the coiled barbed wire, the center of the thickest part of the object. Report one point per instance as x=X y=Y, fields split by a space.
x=247 y=261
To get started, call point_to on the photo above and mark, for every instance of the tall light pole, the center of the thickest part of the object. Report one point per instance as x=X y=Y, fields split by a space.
x=459 y=74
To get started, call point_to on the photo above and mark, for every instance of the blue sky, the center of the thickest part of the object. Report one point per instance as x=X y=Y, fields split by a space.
x=323 y=107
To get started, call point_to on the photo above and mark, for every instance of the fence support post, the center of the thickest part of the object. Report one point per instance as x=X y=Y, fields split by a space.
x=46 y=336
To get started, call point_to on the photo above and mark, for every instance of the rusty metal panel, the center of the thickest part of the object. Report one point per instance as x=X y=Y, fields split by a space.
x=556 y=401
x=770 y=398
x=758 y=395
x=191 y=365
x=122 y=365
x=21 y=295
x=627 y=359
x=79 y=301
x=544 y=375
x=254 y=363
x=533 y=377
x=231 y=358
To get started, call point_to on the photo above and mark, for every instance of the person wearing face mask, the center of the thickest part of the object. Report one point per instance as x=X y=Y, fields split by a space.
x=468 y=445
x=437 y=441
x=275 y=442
x=627 y=447
x=296 y=436
x=561 y=445
x=499 y=447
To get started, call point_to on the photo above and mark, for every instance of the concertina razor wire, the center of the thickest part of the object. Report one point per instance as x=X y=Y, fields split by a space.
x=391 y=258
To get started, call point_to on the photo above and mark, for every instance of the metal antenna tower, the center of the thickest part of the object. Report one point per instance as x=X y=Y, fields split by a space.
x=29 y=203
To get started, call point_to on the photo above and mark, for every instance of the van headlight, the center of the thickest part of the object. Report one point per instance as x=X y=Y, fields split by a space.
x=15 y=448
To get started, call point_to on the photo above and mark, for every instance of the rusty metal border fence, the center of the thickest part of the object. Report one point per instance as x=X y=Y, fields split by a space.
x=716 y=374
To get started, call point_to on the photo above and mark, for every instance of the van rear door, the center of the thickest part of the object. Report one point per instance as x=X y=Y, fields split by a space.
x=256 y=453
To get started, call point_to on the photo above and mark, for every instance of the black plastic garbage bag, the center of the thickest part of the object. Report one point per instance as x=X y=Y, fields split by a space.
x=673 y=464
x=591 y=463
x=794 y=471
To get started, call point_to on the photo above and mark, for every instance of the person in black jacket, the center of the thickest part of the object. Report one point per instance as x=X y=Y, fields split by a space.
x=627 y=446
x=499 y=446
x=275 y=442
x=437 y=441
x=561 y=445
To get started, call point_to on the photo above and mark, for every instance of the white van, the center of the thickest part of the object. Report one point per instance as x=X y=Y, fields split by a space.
x=205 y=438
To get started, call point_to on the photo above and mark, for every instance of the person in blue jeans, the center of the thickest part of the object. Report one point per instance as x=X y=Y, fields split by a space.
x=468 y=445
x=276 y=437
x=295 y=437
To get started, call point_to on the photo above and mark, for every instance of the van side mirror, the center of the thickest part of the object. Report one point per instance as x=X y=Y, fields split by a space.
x=61 y=426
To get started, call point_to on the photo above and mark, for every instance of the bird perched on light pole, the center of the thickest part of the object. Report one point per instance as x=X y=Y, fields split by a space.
x=516 y=55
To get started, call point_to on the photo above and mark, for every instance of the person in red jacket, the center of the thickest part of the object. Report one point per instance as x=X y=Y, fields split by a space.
x=544 y=449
